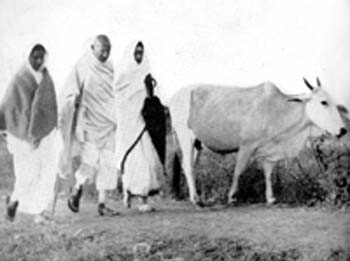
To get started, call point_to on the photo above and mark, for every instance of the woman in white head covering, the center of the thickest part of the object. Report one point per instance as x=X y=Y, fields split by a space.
x=141 y=169
x=29 y=110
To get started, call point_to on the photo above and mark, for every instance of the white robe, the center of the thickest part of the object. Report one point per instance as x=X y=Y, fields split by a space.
x=35 y=173
x=35 y=169
x=143 y=172
x=93 y=139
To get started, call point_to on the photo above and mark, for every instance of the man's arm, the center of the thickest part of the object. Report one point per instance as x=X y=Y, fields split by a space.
x=70 y=105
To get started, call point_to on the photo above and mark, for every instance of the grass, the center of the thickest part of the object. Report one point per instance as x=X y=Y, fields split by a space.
x=320 y=176
x=51 y=245
x=177 y=230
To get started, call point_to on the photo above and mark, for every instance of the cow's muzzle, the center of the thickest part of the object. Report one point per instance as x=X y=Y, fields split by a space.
x=342 y=132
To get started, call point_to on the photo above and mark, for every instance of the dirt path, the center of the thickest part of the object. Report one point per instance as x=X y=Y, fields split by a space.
x=309 y=228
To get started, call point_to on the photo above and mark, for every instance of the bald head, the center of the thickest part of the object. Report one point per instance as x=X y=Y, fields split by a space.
x=101 y=47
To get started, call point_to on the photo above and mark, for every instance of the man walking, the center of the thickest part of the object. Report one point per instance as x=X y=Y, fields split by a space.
x=88 y=124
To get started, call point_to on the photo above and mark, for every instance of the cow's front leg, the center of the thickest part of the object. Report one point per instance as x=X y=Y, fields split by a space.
x=268 y=168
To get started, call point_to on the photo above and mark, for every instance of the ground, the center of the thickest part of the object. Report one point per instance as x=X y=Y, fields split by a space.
x=176 y=231
x=316 y=234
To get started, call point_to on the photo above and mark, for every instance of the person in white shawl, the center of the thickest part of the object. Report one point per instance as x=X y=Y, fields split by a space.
x=140 y=167
x=87 y=122
x=29 y=112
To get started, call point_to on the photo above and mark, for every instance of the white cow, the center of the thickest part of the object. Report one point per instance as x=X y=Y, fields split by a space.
x=259 y=122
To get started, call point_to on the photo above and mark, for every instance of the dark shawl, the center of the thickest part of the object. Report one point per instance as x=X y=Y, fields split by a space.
x=29 y=110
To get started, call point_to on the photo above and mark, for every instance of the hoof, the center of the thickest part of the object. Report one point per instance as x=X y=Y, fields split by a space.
x=195 y=200
x=232 y=201
x=271 y=202
x=200 y=204
x=106 y=211
x=11 y=208
x=146 y=208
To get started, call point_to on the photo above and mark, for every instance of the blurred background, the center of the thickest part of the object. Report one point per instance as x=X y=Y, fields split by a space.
x=230 y=42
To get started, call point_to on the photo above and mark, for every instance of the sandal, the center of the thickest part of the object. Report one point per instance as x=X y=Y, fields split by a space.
x=106 y=211
x=11 y=208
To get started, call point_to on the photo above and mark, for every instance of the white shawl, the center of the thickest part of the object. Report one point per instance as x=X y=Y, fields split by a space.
x=130 y=93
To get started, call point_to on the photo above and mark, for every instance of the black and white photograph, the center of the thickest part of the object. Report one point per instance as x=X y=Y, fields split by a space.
x=179 y=130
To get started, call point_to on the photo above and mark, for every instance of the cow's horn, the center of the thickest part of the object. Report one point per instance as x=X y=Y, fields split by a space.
x=318 y=82
x=308 y=84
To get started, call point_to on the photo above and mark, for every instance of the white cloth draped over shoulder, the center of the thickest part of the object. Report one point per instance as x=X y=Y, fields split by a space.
x=142 y=170
x=30 y=109
x=95 y=120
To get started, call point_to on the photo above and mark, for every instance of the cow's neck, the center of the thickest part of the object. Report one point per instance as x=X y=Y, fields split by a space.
x=297 y=121
x=299 y=131
x=302 y=122
x=289 y=140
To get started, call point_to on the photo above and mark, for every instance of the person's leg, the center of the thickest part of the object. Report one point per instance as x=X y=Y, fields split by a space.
x=47 y=175
x=81 y=176
x=106 y=179
x=25 y=166
x=102 y=208
x=127 y=198
x=11 y=209
x=21 y=183
x=86 y=171
x=145 y=207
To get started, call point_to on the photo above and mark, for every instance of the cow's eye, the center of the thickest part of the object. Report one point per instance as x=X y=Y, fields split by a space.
x=324 y=103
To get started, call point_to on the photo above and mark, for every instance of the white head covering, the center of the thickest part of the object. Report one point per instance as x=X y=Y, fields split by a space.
x=130 y=74
x=38 y=76
x=130 y=93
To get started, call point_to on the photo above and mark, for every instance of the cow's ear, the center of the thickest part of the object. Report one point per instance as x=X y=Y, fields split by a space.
x=308 y=84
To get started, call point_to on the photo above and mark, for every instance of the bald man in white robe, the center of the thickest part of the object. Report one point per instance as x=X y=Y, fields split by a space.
x=88 y=125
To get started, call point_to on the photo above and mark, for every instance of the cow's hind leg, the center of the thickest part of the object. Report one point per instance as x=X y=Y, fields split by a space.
x=268 y=168
x=186 y=141
x=241 y=164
